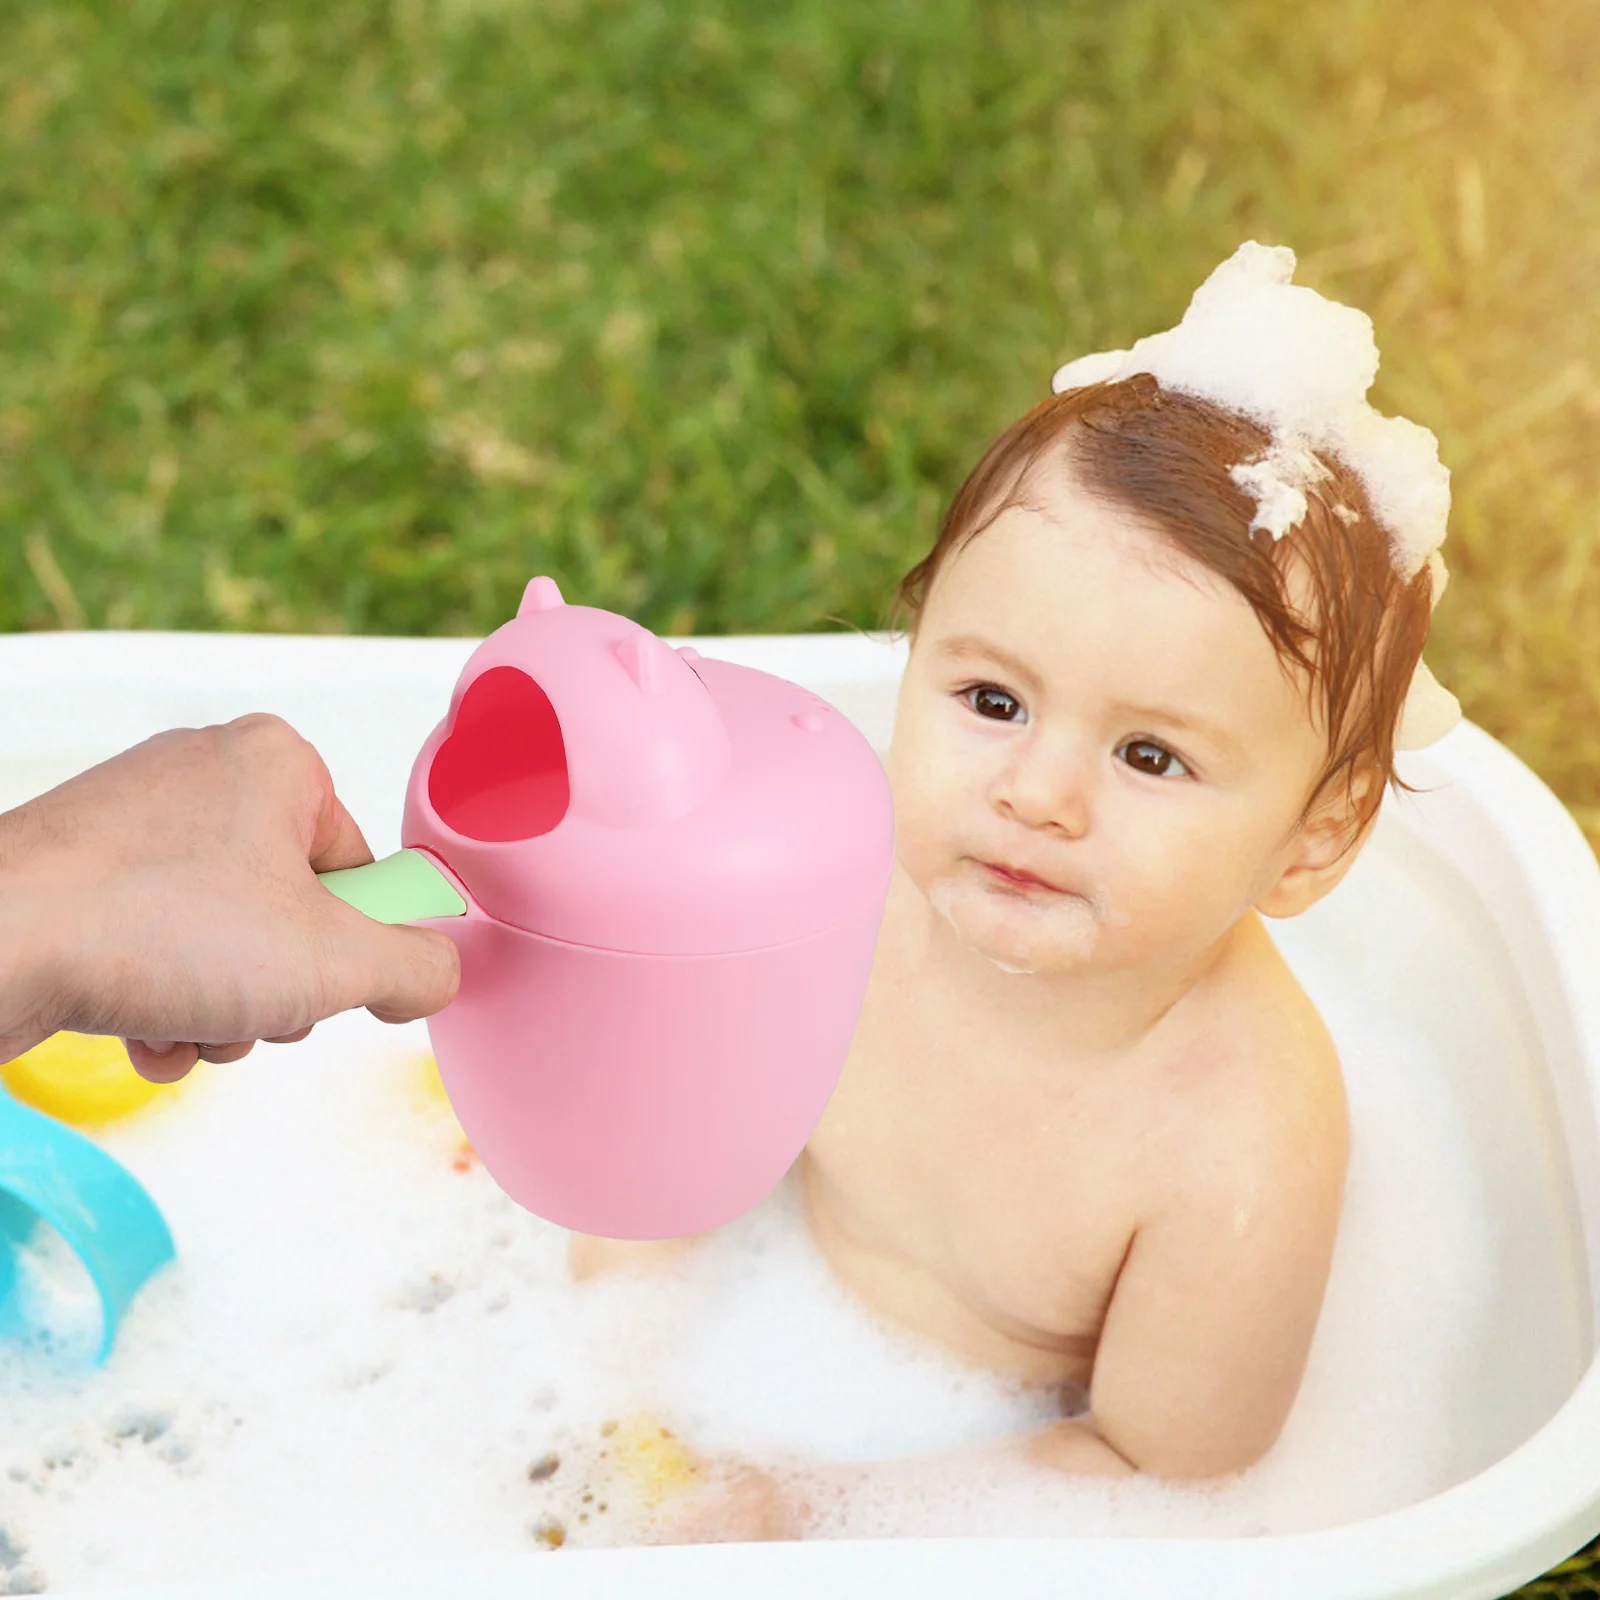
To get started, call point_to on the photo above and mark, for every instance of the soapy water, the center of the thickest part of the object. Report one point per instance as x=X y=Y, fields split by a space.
x=366 y=1350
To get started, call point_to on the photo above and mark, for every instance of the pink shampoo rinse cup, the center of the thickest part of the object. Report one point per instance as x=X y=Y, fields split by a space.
x=665 y=876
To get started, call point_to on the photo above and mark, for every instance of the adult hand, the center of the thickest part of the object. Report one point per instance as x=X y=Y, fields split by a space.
x=169 y=896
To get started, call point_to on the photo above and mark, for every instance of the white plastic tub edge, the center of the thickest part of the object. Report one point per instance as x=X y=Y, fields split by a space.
x=1482 y=808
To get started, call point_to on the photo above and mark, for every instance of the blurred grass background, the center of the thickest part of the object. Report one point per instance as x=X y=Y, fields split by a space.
x=351 y=316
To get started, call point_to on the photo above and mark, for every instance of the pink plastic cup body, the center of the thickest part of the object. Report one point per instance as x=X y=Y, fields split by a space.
x=675 y=870
x=645 y=1096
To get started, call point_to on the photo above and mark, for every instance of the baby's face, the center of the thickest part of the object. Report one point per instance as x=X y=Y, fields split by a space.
x=1084 y=704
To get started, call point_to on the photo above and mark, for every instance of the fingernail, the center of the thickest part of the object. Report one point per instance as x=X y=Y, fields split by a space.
x=159 y=1046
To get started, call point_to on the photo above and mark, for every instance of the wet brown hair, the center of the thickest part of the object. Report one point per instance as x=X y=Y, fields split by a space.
x=1166 y=457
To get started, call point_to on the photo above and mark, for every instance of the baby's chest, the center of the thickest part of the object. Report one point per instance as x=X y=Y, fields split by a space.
x=1018 y=1194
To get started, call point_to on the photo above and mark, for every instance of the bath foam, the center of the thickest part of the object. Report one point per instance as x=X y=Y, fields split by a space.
x=853 y=1388
x=350 y=1358
x=396 y=1349
x=782 y=1363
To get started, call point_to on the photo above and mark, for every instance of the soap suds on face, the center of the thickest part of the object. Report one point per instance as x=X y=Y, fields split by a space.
x=1043 y=931
x=941 y=897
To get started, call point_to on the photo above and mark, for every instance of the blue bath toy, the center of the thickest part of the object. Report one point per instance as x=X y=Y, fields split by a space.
x=49 y=1173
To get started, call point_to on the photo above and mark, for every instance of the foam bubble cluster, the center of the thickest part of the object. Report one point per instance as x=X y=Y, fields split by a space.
x=1279 y=481
x=1299 y=364
x=1283 y=355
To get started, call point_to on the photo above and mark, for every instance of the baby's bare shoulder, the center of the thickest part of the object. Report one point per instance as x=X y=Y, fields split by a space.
x=1264 y=1091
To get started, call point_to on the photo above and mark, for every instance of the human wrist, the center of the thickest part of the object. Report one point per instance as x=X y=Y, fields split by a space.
x=32 y=948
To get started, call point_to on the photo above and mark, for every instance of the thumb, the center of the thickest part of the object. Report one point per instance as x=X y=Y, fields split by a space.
x=414 y=972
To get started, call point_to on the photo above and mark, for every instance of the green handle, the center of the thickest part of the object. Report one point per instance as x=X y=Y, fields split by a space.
x=401 y=888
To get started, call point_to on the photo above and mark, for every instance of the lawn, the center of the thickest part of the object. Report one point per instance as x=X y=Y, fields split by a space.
x=351 y=317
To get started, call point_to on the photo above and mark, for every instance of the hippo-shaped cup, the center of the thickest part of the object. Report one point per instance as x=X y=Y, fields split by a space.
x=665 y=875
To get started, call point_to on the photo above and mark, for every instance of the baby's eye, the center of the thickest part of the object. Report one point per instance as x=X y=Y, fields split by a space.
x=1144 y=755
x=994 y=704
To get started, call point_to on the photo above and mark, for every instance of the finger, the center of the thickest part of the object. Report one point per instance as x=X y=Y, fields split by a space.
x=161 y=1066
x=416 y=973
x=220 y=1053
x=336 y=841
x=289 y=1038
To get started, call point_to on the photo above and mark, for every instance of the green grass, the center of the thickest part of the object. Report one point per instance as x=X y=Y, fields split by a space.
x=351 y=317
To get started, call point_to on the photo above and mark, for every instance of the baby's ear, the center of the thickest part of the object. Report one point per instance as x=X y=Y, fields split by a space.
x=1324 y=845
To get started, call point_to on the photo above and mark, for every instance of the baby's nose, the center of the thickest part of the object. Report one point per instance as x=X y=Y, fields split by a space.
x=1046 y=785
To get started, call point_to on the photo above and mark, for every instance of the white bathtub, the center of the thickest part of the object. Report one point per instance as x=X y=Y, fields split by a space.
x=1486 y=864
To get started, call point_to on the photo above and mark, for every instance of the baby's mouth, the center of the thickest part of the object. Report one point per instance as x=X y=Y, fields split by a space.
x=1016 y=880
x=1023 y=889
x=1030 y=923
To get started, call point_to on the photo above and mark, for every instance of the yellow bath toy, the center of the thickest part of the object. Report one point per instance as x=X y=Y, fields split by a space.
x=429 y=1092
x=651 y=1458
x=84 y=1079
x=430 y=1086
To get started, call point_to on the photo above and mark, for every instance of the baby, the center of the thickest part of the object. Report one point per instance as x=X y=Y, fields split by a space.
x=1091 y=1132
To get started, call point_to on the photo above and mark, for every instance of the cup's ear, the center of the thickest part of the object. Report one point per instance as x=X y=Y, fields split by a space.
x=501 y=774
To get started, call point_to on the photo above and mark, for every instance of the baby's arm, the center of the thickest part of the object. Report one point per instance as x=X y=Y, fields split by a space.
x=1200 y=1357
x=1211 y=1318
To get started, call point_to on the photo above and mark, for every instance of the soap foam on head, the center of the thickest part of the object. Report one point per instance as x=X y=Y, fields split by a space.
x=1257 y=343
x=1279 y=481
